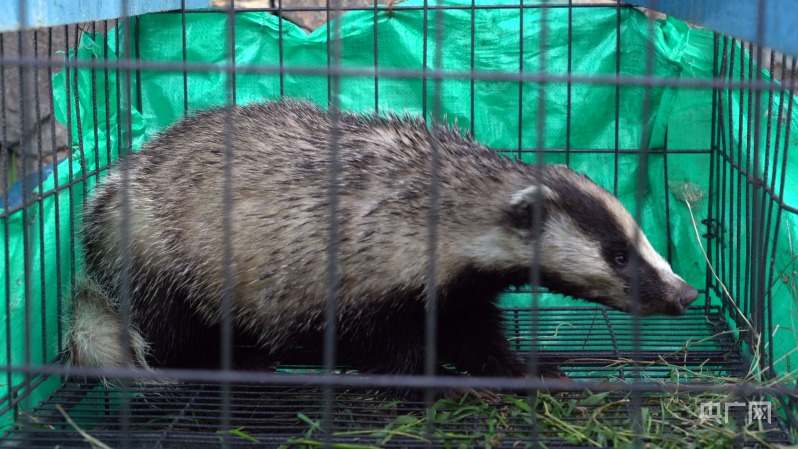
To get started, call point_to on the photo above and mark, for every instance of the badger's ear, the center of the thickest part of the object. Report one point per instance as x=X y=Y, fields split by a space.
x=522 y=205
x=530 y=194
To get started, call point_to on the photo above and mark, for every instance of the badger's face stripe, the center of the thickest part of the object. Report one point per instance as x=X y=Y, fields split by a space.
x=593 y=249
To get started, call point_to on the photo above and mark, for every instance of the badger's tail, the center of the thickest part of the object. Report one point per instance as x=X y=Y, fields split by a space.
x=94 y=339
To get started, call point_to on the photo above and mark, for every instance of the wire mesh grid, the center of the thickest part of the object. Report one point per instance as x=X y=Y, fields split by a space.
x=187 y=415
x=597 y=344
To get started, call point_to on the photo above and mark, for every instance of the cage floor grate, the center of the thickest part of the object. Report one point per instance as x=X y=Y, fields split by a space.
x=587 y=343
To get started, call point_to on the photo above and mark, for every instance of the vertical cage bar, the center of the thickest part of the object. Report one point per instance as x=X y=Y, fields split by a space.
x=773 y=189
x=280 y=43
x=642 y=172
x=713 y=156
x=473 y=46
x=70 y=157
x=329 y=52
x=57 y=197
x=767 y=212
x=431 y=326
x=7 y=220
x=521 y=86
x=424 y=63
x=333 y=278
x=108 y=153
x=228 y=262
x=723 y=184
x=138 y=59
x=727 y=266
x=718 y=157
x=25 y=150
x=568 y=86
x=431 y=287
x=40 y=197
x=617 y=94
x=96 y=167
x=735 y=199
x=78 y=122
x=748 y=166
x=184 y=33
x=125 y=147
x=759 y=248
x=782 y=185
x=668 y=240
x=376 y=62
x=537 y=220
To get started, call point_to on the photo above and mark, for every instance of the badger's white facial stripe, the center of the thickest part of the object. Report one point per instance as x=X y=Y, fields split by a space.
x=644 y=248
x=530 y=194
x=579 y=260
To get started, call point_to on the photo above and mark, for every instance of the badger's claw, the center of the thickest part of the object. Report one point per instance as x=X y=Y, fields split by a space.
x=457 y=394
x=550 y=373
x=554 y=373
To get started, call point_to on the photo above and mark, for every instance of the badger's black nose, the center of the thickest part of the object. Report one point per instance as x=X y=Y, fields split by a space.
x=688 y=295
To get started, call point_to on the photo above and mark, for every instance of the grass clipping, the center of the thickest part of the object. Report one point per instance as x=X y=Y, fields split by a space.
x=665 y=420
x=658 y=420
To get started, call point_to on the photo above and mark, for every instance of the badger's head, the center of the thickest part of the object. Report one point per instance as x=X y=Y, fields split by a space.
x=588 y=247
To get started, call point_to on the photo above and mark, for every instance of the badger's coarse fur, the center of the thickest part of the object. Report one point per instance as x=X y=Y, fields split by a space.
x=280 y=230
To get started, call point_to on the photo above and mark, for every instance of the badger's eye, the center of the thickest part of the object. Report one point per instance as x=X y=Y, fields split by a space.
x=620 y=259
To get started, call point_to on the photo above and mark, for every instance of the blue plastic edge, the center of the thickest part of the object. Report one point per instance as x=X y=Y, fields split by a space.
x=738 y=18
x=47 y=13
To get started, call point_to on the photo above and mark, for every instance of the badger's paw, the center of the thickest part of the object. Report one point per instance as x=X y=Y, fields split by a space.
x=457 y=394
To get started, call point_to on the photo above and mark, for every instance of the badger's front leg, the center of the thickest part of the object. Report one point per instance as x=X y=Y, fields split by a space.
x=396 y=347
x=472 y=338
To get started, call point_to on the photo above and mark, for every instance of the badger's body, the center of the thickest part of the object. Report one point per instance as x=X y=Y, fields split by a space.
x=280 y=232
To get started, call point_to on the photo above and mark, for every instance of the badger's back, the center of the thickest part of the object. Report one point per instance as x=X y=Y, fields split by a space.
x=281 y=216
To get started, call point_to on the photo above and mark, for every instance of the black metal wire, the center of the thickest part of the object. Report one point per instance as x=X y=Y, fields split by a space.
x=333 y=238
x=280 y=42
x=78 y=125
x=125 y=244
x=473 y=47
x=376 y=60
x=708 y=278
x=635 y=290
x=736 y=205
x=568 y=88
x=24 y=153
x=40 y=179
x=70 y=151
x=757 y=208
x=228 y=197
x=769 y=206
x=56 y=209
x=6 y=232
x=668 y=240
x=617 y=92
x=185 y=57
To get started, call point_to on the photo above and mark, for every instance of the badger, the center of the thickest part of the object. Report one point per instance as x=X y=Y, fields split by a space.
x=280 y=230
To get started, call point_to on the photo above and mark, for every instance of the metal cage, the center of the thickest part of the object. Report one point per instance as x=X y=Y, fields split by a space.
x=729 y=332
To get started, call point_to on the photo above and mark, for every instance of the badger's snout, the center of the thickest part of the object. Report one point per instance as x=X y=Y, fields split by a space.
x=686 y=296
x=677 y=306
x=689 y=294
